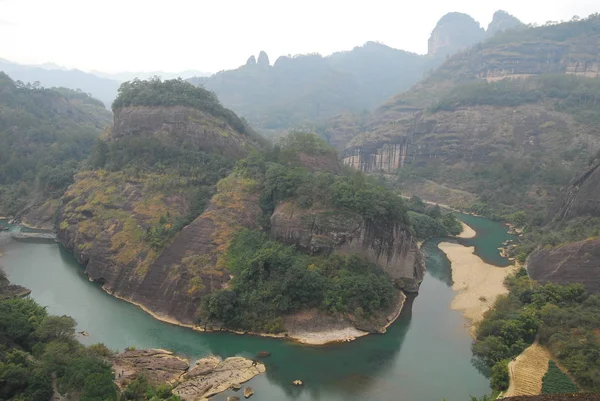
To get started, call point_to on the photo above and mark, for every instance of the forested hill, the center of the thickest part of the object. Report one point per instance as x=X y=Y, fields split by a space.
x=44 y=134
x=101 y=88
x=498 y=128
x=304 y=89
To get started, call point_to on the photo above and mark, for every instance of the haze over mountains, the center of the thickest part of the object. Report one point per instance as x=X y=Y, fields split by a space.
x=315 y=87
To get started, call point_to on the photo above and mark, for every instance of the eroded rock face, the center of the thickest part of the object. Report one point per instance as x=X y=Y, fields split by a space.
x=208 y=377
x=159 y=366
x=468 y=134
x=578 y=262
x=325 y=231
x=581 y=197
x=108 y=239
x=217 y=378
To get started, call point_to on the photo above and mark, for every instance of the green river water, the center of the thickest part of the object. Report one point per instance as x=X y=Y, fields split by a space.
x=425 y=355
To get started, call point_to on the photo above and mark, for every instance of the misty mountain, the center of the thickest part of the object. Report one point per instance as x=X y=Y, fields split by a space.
x=129 y=75
x=101 y=88
x=303 y=90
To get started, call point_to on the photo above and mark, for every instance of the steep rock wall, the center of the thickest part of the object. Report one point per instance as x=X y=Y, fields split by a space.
x=324 y=231
x=577 y=262
x=581 y=197
x=472 y=134
x=108 y=240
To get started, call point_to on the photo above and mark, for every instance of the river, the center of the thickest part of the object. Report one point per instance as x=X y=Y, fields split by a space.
x=424 y=356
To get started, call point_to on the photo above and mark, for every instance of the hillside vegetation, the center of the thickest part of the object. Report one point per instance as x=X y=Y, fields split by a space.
x=271 y=279
x=302 y=90
x=44 y=135
x=564 y=318
x=39 y=351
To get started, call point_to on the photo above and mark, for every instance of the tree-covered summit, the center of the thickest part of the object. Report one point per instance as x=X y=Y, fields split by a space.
x=174 y=92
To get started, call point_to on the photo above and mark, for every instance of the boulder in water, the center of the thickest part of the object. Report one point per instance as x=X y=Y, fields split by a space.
x=248 y=392
x=263 y=354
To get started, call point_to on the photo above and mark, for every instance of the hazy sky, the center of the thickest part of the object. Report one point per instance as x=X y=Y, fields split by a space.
x=175 y=35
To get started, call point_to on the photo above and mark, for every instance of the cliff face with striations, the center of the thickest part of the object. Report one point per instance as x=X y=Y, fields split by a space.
x=108 y=238
x=581 y=197
x=327 y=231
x=575 y=262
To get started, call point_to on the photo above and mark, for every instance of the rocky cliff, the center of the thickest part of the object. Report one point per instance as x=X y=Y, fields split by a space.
x=327 y=231
x=454 y=32
x=577 y=262
x=153 y=216
x=581 y=197
x=502 y=21
x=106 y=228
x=142 y=220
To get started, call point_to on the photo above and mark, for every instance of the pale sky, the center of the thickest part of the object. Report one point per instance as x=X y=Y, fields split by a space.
x=176 y=35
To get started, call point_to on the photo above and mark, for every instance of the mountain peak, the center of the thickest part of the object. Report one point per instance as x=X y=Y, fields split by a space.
x=251 y=60
x=501 y=22
x=454 y=32
x=263 y=59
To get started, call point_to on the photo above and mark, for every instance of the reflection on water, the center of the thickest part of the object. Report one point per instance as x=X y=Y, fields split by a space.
x=425 y=355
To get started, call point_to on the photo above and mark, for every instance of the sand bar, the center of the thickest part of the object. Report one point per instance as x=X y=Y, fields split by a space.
x=467 y=231
x=477 y=283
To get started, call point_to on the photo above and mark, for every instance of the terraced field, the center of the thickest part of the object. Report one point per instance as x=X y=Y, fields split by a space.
x=527 y=370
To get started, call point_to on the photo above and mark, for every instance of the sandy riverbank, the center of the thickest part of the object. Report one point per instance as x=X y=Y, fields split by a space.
x=467 y=231
x=477 y=283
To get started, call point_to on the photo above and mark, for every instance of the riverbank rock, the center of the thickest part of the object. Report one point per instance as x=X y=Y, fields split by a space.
x=158 y=365
x=248 y=392
x=217 y=378
x=8 y=290
x=233 y=398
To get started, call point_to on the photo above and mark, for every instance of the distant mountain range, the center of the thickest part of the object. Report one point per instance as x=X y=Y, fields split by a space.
x=100 y=85
x=296 y=91
x=300 y=91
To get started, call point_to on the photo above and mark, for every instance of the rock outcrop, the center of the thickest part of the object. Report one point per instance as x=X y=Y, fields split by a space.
x=326 y=231
x=454 y=32
x=577 y=262
x=581 y=197
x=263 y=60
x=502 y=21
x=208 y=377
x=105 y=231
x=159 y=366
x=8 y=290
x=215 y=379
